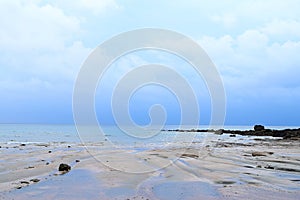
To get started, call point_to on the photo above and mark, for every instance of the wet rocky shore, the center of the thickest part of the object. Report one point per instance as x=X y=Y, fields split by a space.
x=258 y=130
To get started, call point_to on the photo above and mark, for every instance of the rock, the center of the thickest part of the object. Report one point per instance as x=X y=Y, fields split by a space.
x=257 y=153
x=22 y=145
x=49 y=151
x=185 y=155
x=259 y=128
x=77 y=160
x=24 y=182
x=269 y=167
x=35 y=180
x=232 y=135
x=219 y=132
x=64 y=167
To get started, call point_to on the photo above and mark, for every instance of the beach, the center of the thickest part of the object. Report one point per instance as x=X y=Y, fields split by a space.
x=221 y=167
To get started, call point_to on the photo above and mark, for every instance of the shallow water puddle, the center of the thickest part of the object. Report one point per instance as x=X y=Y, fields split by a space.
x=77 y=184
x=185 y=190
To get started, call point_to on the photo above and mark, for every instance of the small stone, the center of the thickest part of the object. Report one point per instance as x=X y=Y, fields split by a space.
x=269 y=167
x=22 y=145
x=77 y=160
x=258 y=153
x=69 y=146
x=49 y=151
x=232 y=135
x=24 y=182
x=35 y=180
x=64 y=167
x=47 y=163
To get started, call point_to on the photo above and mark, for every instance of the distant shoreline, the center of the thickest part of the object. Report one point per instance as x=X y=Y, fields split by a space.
x=258 y=130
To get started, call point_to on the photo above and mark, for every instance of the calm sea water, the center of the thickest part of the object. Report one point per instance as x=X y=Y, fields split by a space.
x=36 y=133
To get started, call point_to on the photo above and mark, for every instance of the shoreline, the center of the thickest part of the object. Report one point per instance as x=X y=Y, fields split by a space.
x=221 y=167
x=258 y=130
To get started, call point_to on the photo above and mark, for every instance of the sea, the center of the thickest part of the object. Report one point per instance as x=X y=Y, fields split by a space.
x=45 y=133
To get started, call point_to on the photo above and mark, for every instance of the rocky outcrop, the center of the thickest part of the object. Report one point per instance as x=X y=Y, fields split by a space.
x=258 y=130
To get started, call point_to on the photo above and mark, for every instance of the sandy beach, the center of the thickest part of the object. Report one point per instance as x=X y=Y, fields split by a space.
x=222 y=168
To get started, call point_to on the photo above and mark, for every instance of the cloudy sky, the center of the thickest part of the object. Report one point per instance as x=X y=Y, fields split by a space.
x=255 y=45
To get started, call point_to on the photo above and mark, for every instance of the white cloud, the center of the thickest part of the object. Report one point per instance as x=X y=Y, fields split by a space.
x=251 y=62
x=283 y=29
x=251 y=40
x=38 y=46
x=28 y=26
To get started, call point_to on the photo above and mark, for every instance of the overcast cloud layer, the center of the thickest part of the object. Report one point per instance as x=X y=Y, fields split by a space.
x=254 y=44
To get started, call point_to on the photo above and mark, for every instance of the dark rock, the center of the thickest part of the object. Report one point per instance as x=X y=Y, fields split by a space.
x=64 y=167
x=69 y=146
x=35 y=180
x=185 y=155
x=24 y=182
x=232 y=135
x=259 y=128
x=49 y=151
x=22 y=145
x=77 y=160
x=269 y=167
x=259 y=154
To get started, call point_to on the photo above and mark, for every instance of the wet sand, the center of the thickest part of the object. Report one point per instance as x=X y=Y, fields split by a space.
x=222 y=168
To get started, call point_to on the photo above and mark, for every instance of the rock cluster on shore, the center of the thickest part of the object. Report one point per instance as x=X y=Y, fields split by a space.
x=258 y=130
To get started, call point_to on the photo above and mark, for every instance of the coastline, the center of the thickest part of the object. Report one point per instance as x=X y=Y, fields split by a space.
x=258 y=130
x=224 y=167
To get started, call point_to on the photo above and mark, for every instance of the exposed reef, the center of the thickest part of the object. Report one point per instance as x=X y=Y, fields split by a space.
x=258 y=130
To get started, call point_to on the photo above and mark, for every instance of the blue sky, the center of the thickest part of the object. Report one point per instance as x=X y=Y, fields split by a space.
x=255 y=46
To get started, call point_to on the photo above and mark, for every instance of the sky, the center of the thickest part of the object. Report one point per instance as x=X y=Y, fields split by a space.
x=254 y=45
